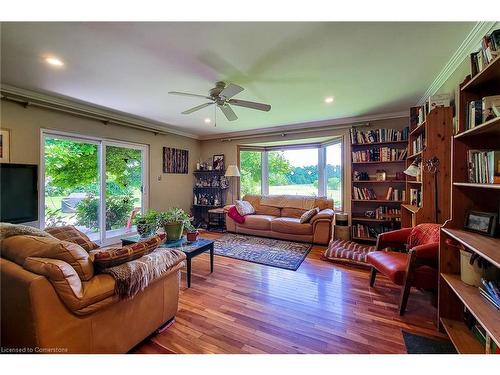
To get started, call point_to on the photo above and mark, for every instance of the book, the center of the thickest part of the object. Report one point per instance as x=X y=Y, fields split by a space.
x=488 y=102
x=488 y=52
x=441 y=100
x=483 y=166
x=377 y=136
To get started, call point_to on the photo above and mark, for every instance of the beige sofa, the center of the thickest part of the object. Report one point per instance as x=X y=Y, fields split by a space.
x=47 y=307
x=277 y=216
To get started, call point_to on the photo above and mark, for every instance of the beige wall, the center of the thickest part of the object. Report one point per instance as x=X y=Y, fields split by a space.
x=229 y=149
x=25 y=125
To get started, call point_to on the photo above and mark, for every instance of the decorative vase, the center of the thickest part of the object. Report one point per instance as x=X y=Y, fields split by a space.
x=192 y=236
x=173 y=230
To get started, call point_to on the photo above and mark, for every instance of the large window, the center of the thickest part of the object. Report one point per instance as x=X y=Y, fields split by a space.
x=96 y=185
x=314 y=170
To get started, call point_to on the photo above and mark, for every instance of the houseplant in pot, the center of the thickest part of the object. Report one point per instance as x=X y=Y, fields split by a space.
x=173 y=222
x=146 y=223
x=191 y=232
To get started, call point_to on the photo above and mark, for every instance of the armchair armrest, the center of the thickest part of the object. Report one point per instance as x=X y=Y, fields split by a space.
x=326 y=214
x=395 y=238
x=427 y=254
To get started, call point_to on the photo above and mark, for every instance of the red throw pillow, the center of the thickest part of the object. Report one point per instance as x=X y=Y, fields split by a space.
x=115 y=256
x=234 y=214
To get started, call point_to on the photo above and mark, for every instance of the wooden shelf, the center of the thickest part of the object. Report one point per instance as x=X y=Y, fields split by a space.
x=379 y=182
x=386 y=220
x=210 y=172
x=410 y=207
x=378 y=162
x=486 y=314
x=375 y=201
x=462 y=338
x=419 y=129
x=415 y=155
x=370 y=239
x=415 y=182
x=473 y=185
x=487 y=247
x=488 y=75
x=206 y=205
x=488 y=128
x=379 y=143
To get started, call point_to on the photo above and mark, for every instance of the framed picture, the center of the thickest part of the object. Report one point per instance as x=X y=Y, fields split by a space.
x=4 y=145
x=481 y=222
x=218 y=163
x=175 y=160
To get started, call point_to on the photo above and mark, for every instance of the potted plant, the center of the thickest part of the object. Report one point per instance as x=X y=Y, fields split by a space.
x=146 y=223
x=173 y=222
x=191 y=232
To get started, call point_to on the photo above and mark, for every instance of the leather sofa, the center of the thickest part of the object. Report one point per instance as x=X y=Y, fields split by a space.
x=46 y=307
x=278 y=216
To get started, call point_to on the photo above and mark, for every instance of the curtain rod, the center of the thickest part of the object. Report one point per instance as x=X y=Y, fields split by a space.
x=291 y=132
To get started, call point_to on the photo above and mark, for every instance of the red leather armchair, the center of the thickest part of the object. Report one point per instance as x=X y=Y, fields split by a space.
x=417 y=267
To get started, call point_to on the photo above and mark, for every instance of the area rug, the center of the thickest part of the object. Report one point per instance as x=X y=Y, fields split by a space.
x=268 y=251
x=416 y=344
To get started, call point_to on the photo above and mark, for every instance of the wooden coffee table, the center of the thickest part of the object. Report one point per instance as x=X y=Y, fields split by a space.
x=190 y=249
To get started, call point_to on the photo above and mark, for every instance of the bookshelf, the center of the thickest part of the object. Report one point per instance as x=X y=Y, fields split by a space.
x=434 y=140
x=455 y=295
x=388 y=212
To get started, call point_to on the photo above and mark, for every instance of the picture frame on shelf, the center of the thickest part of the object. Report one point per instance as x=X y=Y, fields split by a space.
x=218 y=162
x=4 y=145
x=481 y=222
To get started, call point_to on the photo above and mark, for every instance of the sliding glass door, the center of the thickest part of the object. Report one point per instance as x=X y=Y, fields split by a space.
x=96 y=185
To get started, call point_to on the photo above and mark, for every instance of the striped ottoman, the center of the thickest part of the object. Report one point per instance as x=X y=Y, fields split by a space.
x=347 y=252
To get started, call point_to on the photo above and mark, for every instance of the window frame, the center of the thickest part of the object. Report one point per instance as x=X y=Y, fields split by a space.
x=102 y=144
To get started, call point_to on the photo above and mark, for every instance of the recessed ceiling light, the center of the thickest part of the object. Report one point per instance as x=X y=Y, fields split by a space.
x=54 y=61
x=329 y=99
x=207 y=121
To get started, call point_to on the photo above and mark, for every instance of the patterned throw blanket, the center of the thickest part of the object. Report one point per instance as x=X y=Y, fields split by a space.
x=134 y=276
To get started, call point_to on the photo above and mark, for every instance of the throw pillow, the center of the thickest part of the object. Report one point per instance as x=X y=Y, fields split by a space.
x=118 y=255
x=8 y=230
x=233 y=214
x=244 y=208
x=308 y=215
x=18 y=248
x=71 y=234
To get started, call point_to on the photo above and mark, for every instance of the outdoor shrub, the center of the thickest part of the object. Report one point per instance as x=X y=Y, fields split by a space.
x=118 y=209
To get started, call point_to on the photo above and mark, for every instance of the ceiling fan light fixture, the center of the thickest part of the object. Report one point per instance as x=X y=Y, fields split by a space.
x=54 y=61
x=207 y=121
x=329 y=99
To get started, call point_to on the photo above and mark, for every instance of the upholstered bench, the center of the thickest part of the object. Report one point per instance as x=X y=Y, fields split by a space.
x=343 y=251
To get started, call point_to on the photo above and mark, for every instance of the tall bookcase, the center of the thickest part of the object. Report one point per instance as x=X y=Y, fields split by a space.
x=436 y=130
x=454 y=295
x=395 y=179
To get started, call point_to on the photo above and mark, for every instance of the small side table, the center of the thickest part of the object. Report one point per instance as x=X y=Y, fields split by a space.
x=216 y=219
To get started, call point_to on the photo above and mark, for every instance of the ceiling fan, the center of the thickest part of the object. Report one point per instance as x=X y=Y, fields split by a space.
x=221 y=95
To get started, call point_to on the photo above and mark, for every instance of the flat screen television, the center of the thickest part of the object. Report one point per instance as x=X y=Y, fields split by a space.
x=18 y=193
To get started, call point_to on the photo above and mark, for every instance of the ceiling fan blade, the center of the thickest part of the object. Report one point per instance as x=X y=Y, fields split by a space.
x=228 y=112
x=231 y=90
x=253 y=105
x=197 y=108
x=188 y=94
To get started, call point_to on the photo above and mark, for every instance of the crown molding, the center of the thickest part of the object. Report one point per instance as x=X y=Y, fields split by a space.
x=313 y=126
x=81 y=108
x=470 y=44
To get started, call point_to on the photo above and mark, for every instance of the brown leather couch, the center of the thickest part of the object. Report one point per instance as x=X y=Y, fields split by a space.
x=277 y=216
x=47 y=306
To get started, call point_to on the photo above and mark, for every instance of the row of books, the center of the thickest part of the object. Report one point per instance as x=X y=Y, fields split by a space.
x=416 y=197
x=384 y=212
x=363 y=193
x=484 y=166
x=379 y=154
x=489 y=290
x=365 y=231
x=490 y=49
x=479 y=111
x=418 y=144
x=479 y=331
x=378 y=135
x=395 y=194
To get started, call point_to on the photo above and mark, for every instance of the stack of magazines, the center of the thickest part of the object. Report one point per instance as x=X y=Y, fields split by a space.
x=490 y=291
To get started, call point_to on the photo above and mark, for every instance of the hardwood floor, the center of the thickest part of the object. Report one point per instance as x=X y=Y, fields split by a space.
x=320 y=308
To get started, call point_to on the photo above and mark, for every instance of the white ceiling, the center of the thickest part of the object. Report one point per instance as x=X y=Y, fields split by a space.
x=370 y=68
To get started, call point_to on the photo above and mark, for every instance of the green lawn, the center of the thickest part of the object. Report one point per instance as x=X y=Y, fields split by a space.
x=306 y=189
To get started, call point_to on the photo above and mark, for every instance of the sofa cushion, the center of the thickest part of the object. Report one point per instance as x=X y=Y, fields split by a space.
x=71 y=234
x=259 y=222
x=292 y=212
x=18 y=248
x=244 y=207
x=233 y=214
x=267 y=210
x=114 y=256
x=389 y=263
x=308 y=215
x=290 y=225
